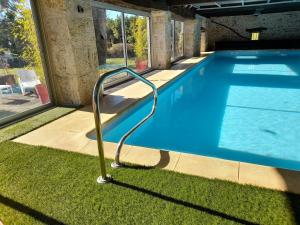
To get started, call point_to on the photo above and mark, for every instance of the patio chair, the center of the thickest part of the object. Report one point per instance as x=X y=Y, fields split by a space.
x=27 y=81
x=5 y=87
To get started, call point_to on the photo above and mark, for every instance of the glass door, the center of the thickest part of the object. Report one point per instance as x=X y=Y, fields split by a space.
x=137 y=42
x=122 y=40
x=23 y=86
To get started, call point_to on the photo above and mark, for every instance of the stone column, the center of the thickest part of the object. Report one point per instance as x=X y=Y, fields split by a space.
x=99 y=17
x=67 y=26
x=161 y=39
x=192 y=33
x=203 y=39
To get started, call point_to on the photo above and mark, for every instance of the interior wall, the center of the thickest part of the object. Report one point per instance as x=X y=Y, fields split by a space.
x=279 y=26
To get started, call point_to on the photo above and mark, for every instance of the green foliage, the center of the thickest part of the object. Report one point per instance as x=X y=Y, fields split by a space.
x=7 y=39
x=140 y=35
x=114 y=30
x=130 y=23
x=136 y=34
x=24 y=30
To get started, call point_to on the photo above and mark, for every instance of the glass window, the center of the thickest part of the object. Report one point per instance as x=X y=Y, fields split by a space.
x=255 y=36
x=22 y=80
x=176 y=39
x=137 y=42
x=122 y=40
x=109 y=41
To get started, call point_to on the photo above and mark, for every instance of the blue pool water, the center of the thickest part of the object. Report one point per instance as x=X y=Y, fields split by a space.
x=238 y=105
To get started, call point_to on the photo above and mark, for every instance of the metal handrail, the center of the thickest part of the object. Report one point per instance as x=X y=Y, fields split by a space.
x=96 y=108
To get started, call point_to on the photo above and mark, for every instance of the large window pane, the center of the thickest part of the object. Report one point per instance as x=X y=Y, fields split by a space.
x=109 y=39
x=136 y=28
x=178 y=35
x=22 y=80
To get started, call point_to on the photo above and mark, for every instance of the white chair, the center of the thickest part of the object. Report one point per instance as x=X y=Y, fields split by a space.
x=27 y=80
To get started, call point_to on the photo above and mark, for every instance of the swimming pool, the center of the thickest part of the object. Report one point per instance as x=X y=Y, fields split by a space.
x=236 y=105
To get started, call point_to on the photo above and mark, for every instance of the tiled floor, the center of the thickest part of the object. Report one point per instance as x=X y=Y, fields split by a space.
x=71 y=133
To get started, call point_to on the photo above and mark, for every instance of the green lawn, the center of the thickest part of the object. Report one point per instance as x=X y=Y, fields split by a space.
x=40 y=185
x=120 y=61
x=32 y=123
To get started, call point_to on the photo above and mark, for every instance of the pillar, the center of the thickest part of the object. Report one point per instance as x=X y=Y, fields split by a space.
x=192 y=34
x=99 y=18
x=161 y=39
x=68 y=30
x=204 y=38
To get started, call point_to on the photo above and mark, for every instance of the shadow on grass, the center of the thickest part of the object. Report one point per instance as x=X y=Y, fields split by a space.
x=29 y=211
x=137 y=167
x=292 y=182
x=183 y=203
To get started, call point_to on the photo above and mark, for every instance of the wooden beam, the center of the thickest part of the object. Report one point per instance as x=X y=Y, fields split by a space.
x=154 y=4
x=183 y=11
x=249 y=10
x=187 y=2
x=162 y=5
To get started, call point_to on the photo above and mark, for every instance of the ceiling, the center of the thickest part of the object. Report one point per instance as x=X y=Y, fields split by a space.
x=209 y=8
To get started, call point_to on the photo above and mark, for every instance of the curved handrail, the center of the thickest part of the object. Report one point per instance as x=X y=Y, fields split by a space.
x=96 y=108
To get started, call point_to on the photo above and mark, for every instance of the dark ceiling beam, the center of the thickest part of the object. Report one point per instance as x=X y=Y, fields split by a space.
x=187 y=2
x=182 y=11
x=249 y=10
x=163 y=5
x=153 y=4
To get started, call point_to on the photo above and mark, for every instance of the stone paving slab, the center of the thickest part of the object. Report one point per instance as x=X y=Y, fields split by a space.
x=71 y=133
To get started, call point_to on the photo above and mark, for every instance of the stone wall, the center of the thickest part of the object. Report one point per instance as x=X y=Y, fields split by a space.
x=192 y=32
x=99 y=18
x=203 y=38
x=279 y=26
x=71 y=49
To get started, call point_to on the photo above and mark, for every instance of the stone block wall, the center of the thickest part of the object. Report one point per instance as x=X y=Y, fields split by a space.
x=279 y=26
x=99 y=18
x=161 y=39
x=203 y=38
x=192 y=32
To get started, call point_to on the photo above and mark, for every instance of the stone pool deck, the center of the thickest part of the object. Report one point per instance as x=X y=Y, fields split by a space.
x=71 y=133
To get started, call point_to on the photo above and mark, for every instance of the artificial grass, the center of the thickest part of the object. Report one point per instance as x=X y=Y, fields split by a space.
x=43 y=185
x=32 y=123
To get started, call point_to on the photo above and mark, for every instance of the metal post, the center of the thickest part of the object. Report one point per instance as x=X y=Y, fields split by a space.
x=104 y=178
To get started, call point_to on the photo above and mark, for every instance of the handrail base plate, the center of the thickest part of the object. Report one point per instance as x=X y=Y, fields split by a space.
x=115 y=165
x=102 y=180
